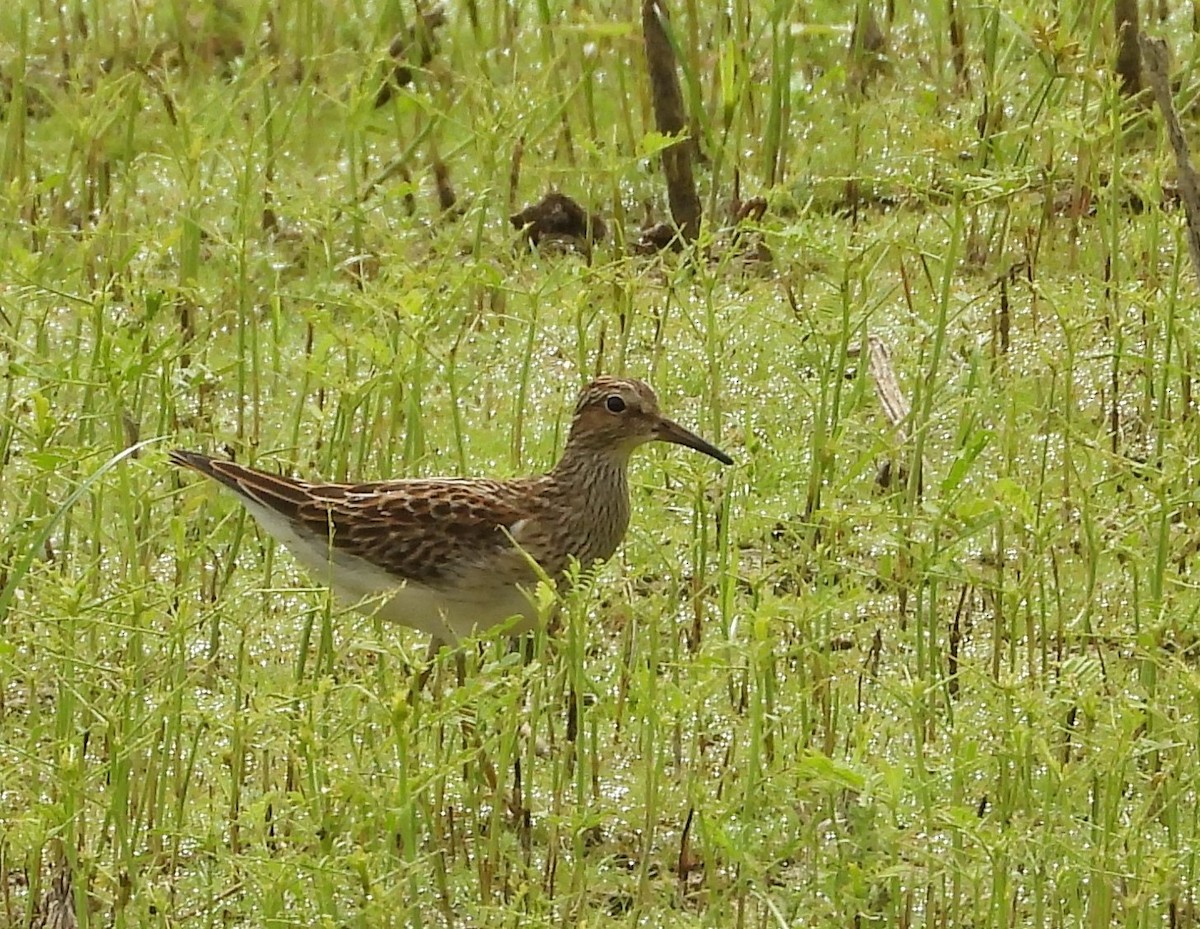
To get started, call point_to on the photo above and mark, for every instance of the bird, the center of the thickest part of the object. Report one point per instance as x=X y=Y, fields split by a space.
x=454 y=557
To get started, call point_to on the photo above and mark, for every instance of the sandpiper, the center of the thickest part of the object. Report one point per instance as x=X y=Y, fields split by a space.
x=452 y=556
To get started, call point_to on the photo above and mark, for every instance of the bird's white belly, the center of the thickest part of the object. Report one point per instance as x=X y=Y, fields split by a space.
x=448 y=613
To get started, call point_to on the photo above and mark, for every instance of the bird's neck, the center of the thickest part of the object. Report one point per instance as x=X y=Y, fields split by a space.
x=592 y=486
x=581 y=468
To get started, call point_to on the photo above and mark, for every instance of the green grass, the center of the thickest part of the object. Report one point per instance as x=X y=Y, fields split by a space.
x=793 y=699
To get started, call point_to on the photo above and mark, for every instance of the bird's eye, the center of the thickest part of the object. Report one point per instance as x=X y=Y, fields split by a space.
x=615 y=404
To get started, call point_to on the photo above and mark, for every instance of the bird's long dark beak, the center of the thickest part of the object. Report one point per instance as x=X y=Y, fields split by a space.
x=668 y=431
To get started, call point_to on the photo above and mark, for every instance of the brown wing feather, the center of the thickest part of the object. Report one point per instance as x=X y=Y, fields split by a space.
x=282 y=494
x=422 y=530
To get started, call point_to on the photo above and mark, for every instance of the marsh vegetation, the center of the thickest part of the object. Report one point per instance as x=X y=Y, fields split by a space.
x=937 y=675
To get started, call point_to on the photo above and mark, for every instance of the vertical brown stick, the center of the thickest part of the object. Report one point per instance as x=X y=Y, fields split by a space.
x=1155 y=55
x=670 y=119
x=1129 y=56
x=1154 y=59
x=958 y=46
x=868 y=48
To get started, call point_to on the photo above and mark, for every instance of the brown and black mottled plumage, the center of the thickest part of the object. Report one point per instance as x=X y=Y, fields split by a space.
x=450 y=556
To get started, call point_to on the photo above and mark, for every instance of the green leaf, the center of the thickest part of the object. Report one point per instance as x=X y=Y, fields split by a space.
x=654 y=143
